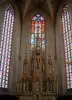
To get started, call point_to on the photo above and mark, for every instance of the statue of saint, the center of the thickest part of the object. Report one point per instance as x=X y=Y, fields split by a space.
x=37 y=60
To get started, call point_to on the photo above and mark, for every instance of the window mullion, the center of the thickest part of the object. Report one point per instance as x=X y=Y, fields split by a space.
x=5 y=43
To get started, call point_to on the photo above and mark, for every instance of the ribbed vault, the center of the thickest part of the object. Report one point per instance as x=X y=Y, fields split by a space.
x=50 y=6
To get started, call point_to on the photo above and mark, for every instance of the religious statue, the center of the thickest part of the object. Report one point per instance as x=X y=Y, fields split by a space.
x=50 y=86
x=37 y=60
x=43 y=69
x=50 y=69
x=25 y=67
x=49 y=62
x=32 y=68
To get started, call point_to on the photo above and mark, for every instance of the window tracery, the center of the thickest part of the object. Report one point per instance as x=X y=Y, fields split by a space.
x=38 y=25
x=67 y=34
x=5 y=46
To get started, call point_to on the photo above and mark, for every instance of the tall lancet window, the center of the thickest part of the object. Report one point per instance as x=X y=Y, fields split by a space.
x=5 y=46
x=38 y=26
x=67 y=34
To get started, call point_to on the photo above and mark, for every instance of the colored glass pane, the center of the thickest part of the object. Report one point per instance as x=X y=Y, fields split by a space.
x=5 y=45
x=38 y=26
x=66 y=18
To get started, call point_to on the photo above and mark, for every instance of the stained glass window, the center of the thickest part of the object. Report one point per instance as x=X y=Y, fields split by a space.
x=38 y=26
x=67 y=34
x=5 y=46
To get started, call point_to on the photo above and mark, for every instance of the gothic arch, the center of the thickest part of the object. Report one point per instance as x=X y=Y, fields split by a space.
x=15 y=46
x=60 y=45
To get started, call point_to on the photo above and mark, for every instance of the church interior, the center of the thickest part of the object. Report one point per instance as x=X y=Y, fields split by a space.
x=36 y=49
